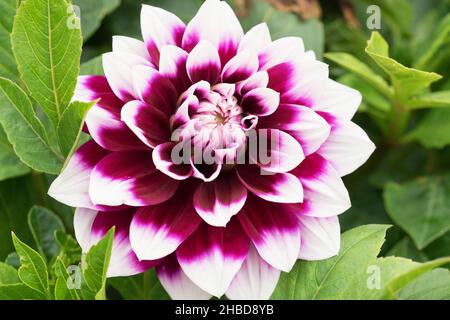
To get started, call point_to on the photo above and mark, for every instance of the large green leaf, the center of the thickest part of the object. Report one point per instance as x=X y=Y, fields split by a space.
x=407 y=81
x=69 y=128
x=144 y=286
x=48 y=53
x=282 y=24
x=8 y=66
x=33 y=270
x=93 y=12
x=420 y=207
x=434 y=285
x=25 y=131
x=333 y=278
x=360 y=69
x=10 y=164
x=434 y=129
x=43 y=223
x=97 y=262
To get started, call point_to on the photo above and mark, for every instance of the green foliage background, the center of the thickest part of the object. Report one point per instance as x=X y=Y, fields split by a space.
x=402 y=70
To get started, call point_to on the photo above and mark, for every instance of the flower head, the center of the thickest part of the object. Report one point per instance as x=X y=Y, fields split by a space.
x=217 y=155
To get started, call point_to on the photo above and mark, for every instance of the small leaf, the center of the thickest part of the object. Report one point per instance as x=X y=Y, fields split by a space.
x=19 y=291
x=362 y=70
x=8 y=274
x=434 y=129
x=25 y=131
x=69 y=128
x=48 y=53
x=10 y=164
x=144 y=286
x=33 y=270
x=69 y=250
x=332 y=278
x=97 y=262
x=408 y=81
x=13 y=260
x=43 y=223
x=440 y=99
x=62 y=291
x=420 y=207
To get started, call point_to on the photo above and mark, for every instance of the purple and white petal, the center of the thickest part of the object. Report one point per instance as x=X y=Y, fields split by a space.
x=256 y=280
x=324 y=191
x=159 y=28
x=321 y=237
x=280 y=51
x=123 y=44
x=274 y=230
x=256 y=39
x=217 y=201
x=302 y=123
x=155 y=89
x=203 y=63
x=71 y=187
x=148 y=123
x=176 y=283
x=216 y=23
x=157 y=231
x=163 y=158
x=273 y=187
x=348 y=146
x=83 y=220
x=339 y=100
x=240 y=67
x=261 y=101
x=212 y=256
x=118 y=70
x=130 y=178
x=172 y=65
x=257 y=80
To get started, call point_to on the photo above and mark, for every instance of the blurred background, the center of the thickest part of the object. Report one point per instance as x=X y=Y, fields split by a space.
x=406 y=183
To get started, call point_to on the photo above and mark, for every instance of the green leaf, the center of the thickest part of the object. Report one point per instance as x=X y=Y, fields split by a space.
x=434 y=285
x=440 y=99
x=92 y=67
x=62 y=291
x=97 y=262
x=19 y=291
x=13 y=260
x=420 y=207
x=43 y=223
x=69 y=250
x=24 y=130
x=69 y=128
x=405 y=248
x=434 y=129
x=362 y=70
x=48 y=53
x=10 y=164
x=144 y=286
x=8 y=68
x=332 y=278
x=33 y=270
x=93 y=12
x=282 y=24
x=8 y=274
x=406 y=81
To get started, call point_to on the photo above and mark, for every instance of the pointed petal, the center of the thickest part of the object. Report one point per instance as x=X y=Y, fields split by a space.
x=160 y=27
x=154 y=89
x=172 y=65
x=130 y=45
x=256 y=280
x=347 y=148
x=258 y=80
x=203 y=63
x=302 y=123
x=118 y=70
x=71 y=187
x=278 y=187
x=256 y=39
x=147 y=122
x=212 y=256
x=325 y=194
x=130 y=178
x=261 y=101
x=274 y=230
x=215 y=22
x=240 y=67
x=217 y=201
x=163 y=159
x=176 y=283
x=321 y=238
x=280 y=51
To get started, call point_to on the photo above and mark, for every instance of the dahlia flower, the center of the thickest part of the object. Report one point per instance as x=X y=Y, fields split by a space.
x=224 y=226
